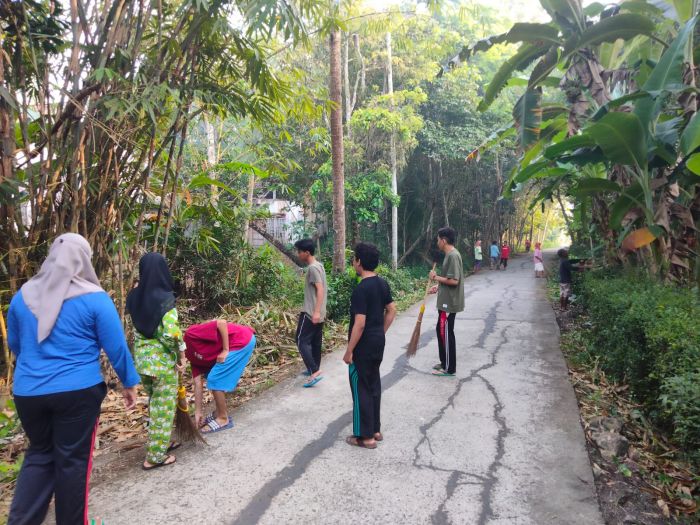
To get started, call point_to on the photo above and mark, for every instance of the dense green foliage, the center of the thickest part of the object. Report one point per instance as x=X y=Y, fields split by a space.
x=608 y=120
x=648 y=335
x=407 y=286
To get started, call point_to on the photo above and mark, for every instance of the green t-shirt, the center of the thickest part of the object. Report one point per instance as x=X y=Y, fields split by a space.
x=315 y=273
x=477 y=253
x=451 y=298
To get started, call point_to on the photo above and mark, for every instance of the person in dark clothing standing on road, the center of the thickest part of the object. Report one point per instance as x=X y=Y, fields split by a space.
x=450 y=300
x=372 y=311
x=310 y=325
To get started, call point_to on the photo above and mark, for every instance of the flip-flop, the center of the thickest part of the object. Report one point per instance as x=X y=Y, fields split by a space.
x=357 y=442
x=210 y=417
x=306 y=373
x=311 y=383
x=442 y=373
x=163 y=463
x=437 y=367
x=174 y=445
x=216 y=427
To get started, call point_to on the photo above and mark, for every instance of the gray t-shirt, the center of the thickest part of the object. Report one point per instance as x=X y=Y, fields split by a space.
x=315 y=273
x=451 y=298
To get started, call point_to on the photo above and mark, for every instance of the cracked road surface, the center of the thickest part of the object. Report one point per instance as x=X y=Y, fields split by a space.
x=500 y=443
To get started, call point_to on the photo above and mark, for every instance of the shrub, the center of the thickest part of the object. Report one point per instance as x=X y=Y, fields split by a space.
x=648 y=335
x=403 y=283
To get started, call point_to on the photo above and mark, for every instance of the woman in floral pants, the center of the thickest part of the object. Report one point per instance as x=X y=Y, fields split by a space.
x=158 y=353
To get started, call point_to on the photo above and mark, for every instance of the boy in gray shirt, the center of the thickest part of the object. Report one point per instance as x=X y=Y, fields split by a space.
x=450 y=301
x=310 y=326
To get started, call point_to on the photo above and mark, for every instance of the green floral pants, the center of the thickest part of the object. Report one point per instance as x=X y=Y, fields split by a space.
x=163 y=393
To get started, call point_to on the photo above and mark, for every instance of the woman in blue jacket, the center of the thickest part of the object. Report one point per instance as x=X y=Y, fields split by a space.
x=57 y=324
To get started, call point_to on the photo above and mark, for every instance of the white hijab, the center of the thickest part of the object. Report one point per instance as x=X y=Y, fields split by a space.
x=67 y=272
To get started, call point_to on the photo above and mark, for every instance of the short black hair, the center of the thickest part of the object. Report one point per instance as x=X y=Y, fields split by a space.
x=563 y=253
x=448 y=234
x=305 y=245
x=494 y=242
x=368 y=255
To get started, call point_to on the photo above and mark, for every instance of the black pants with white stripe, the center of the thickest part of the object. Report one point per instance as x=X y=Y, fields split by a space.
x=309 y=342
x=446 y=341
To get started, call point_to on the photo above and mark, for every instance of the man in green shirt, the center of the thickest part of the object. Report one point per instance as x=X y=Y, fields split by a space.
x=450 y=300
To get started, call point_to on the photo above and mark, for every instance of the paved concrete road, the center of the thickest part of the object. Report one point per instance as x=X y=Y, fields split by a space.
x=500 y=443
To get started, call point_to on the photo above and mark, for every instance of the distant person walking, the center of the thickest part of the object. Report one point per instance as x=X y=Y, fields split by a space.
x=505 y=254
x=478 y=257
x=495 y=255
x=528 y=245
x=450 y=301
x=372 y=311
x=159 y=353
x=57 y=325
x=218 y=352
x=310 y=325
x=539 y=262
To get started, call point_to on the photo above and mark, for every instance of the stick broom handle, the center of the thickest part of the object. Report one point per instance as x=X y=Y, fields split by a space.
x=427 y=290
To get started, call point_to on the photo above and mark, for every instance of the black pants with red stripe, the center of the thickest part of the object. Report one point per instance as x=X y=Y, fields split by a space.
x=61 y=430
x=446 y=341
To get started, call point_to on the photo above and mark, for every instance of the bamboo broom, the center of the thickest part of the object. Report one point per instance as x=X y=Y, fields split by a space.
x=413 y=343
x=185 y=429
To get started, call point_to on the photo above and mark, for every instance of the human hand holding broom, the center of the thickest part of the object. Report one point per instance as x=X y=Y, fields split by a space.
x=415 y=337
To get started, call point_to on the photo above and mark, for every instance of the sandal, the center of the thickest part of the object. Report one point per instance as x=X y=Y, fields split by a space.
x=358 y=442
x=378 y=436
x=215 y=426
x=163 y=463
x=174 y=445
x=442 y=373
x=312 y=382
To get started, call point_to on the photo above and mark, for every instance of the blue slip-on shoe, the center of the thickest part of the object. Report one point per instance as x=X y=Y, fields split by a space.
x=311 y=383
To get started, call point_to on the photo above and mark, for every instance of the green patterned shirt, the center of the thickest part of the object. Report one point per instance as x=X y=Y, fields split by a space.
x=156 y=357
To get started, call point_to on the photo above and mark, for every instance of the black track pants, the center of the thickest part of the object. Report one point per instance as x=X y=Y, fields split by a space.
x=309 y=342
x=366 y=388
x=446 y=341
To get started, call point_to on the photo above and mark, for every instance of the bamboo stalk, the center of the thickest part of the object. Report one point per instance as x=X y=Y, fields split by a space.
x=6 y=349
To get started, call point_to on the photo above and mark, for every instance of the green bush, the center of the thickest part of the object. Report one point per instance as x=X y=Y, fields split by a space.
x=648 y=335
x=406 y=285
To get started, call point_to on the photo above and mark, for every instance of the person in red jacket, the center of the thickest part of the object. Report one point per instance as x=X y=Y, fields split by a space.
x=218 y=351
x=505 y=253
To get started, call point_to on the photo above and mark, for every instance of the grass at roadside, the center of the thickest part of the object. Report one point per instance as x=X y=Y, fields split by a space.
x=653 y=472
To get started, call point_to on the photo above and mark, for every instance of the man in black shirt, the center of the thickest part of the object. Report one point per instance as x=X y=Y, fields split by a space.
x=372 y=311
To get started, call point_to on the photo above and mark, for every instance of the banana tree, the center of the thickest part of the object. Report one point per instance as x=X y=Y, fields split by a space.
x=650 y=151
x=563 y=54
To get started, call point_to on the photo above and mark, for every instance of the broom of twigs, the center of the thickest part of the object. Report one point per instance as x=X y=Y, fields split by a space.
x=415 y=337
x=185 y=429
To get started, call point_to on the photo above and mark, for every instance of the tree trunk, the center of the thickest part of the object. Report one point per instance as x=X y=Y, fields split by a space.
x=394 y=183
x=346 y=86
x=337 y=154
